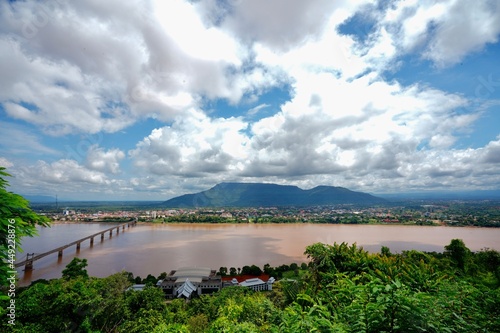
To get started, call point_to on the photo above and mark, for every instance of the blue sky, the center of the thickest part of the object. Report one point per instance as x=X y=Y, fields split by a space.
x=150 y=99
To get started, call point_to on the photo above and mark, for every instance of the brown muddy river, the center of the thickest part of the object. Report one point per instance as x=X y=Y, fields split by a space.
x=153 y=249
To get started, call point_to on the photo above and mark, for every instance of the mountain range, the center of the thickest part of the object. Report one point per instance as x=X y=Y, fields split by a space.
x=270 y=195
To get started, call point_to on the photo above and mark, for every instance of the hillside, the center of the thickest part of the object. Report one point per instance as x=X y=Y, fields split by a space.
x=259 y=194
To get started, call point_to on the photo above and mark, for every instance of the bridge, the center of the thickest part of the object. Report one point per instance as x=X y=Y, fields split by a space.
x=32 y=257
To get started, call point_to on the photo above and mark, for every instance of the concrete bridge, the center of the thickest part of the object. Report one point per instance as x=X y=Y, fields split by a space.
x=32 y=257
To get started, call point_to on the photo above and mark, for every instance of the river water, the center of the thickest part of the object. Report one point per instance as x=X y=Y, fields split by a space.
x=152 y=249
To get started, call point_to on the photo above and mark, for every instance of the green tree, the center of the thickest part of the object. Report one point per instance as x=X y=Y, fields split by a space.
x=198 y=323
x=149 y=298
x=76 y=268
x=385 y=251
x=223 y=271
x=458 y=253
x=17 y=220
x=73 y=305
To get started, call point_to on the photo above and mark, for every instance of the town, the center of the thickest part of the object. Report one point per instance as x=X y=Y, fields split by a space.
x=447 y=213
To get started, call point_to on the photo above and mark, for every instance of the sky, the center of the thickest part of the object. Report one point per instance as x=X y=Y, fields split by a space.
x=151 y=99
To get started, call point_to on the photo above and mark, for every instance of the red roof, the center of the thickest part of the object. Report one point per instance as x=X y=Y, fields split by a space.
x=241 y=278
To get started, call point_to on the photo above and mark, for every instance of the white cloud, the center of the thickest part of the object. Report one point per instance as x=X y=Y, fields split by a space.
x=64 y=172
x=444 y=32
x=5 y=162
x=326 y=134
x=193 y=146
x=182 y=23
x=70 y=180
x=363 y=124
x=100 y=67
x=464 y=27
x=256 y=109
x=105 y=161
x=92 y=67
x=491 y=153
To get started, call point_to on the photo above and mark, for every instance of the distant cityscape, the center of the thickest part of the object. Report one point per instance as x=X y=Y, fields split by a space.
x=450 y=213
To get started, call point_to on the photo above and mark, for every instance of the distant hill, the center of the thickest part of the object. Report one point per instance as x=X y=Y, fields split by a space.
x=267 y=195
x=39 y=198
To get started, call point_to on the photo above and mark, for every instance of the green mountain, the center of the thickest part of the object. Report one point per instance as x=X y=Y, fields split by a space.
x=267 y=195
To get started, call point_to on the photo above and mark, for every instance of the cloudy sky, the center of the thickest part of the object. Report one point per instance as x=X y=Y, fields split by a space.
x=150 y=99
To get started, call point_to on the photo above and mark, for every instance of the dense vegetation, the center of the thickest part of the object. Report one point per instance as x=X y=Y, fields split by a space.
x=342 y=289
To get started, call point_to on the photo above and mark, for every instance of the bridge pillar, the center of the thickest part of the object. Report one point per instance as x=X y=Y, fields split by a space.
x=123 y=227
x=60 y=253
x=118 y=230
x=102 y=236
x=92 y=241
x=29 y=262
x=78 y=246
x=111 y=233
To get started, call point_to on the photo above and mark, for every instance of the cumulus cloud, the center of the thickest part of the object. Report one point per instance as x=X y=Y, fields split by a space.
x=492 y=152
x=352 y=132
x=442 y=31
x=105 y=161
x=65 y=73
x=192 y=146
x=63 y=172
x=70 y=180
x=281 y=24
x=103 y=67
x=351 y=140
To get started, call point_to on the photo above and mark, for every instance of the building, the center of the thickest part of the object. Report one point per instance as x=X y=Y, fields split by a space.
x=255 y=283
x=190 y=281
x=137 y=287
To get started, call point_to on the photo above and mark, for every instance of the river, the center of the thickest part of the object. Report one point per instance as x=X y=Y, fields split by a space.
x=153 y=249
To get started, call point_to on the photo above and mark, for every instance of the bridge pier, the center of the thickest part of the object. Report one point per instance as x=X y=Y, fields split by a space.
x=111 y=233
x=78 y=246
x=102 y=237
x=118 y=230
x=29 y=262
x=91 y=241
x=60 y=253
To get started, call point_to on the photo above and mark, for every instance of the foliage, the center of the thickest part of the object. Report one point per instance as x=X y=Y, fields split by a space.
x=458 y=253
x=17 y=220
x=76 y=268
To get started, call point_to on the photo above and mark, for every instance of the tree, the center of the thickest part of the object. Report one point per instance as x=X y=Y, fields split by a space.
x=385 y=251
x=150 y=279
x=76 y=268
x=198 y=323
x=223 y=271
x=17 y=220
x=458 y=253
x=251 y=270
